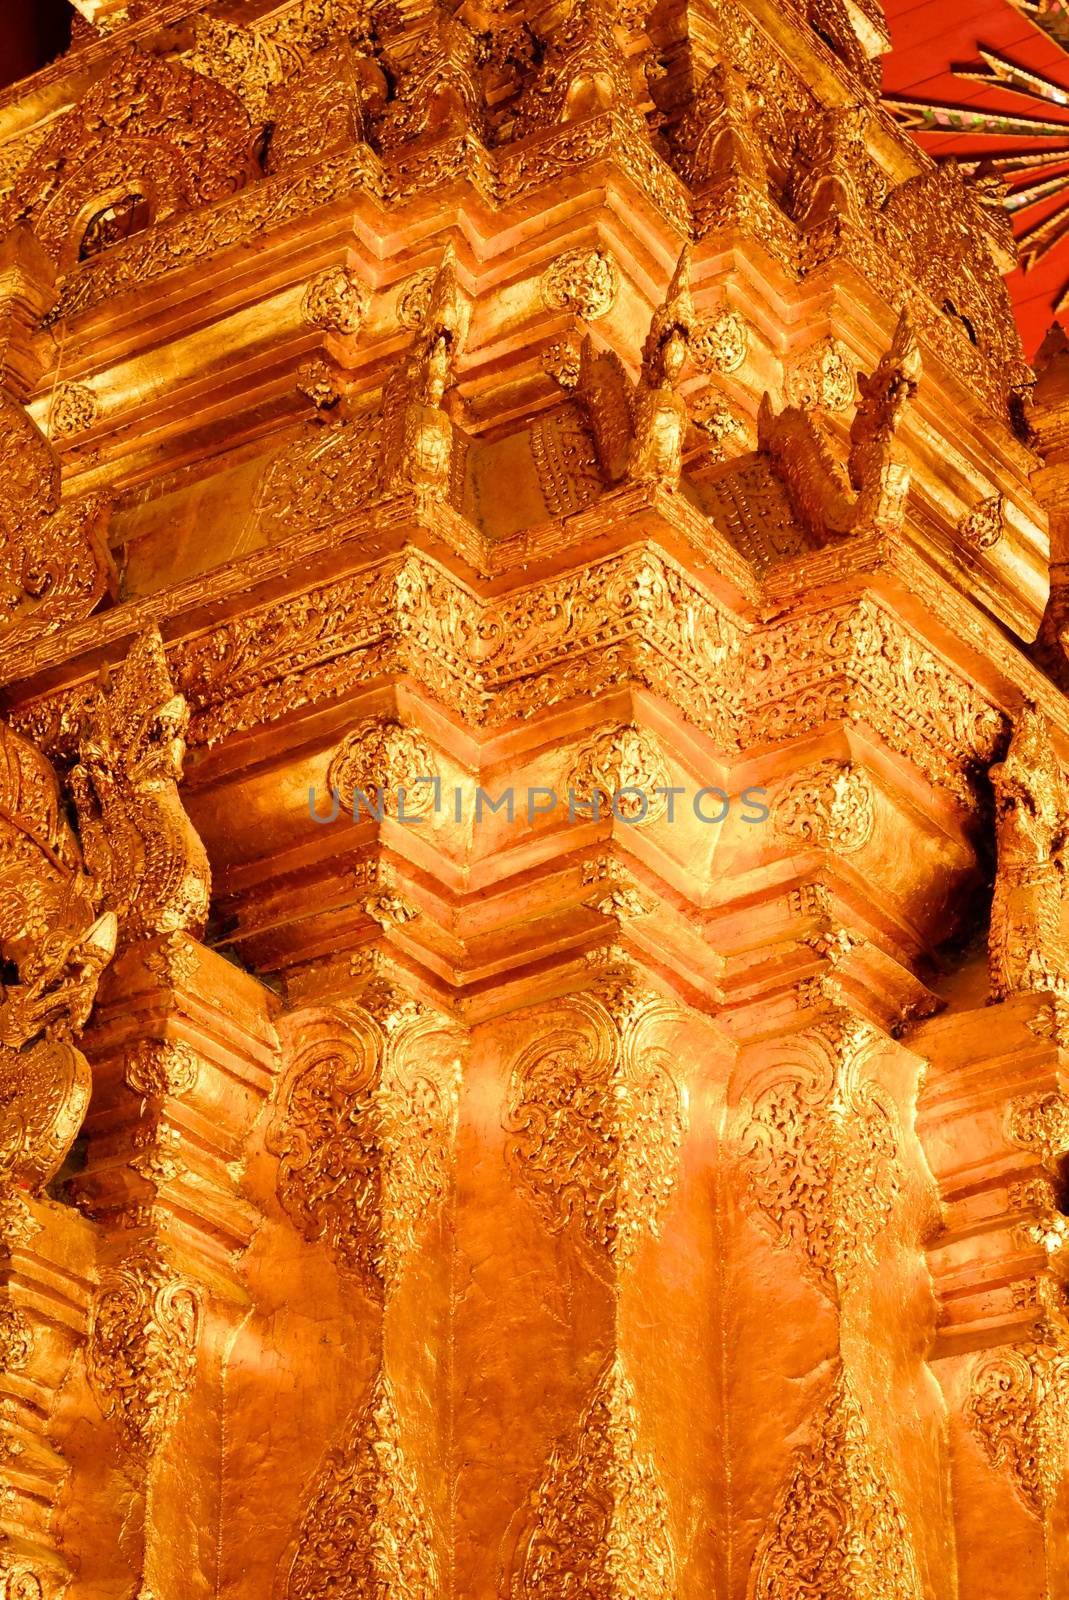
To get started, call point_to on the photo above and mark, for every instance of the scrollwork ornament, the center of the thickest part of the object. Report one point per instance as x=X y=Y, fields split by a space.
x=822 y=376
x=820 y=1144
x=584 y=282
x=337 y=301
x=1018 y=1409
x=829 y=805
x=142 y=1346
x=719 y=343
x=596 y=1120
x=415 y=298
x=598 y=1523
x=20 y=1583
x=1040 y=1123
x=985 y=525
x=158 y=1067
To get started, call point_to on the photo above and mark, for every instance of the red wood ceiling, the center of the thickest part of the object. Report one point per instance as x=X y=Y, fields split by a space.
x=931 y=36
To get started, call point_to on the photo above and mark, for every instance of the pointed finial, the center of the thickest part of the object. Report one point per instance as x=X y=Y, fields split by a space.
x=678 y=297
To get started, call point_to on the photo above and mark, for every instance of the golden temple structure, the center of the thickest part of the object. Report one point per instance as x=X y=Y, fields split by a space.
x=534 y=819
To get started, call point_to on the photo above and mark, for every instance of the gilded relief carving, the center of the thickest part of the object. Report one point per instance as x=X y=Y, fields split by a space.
x=598 y=1523
x=821 y=1147
x=377 y=760
x=366 y=1530
x=149 y=138
x=837 y=1531
x=54 y=563
x=618 y=771
x=1025 y=947
x=363 y=1130
x=581 y=281
x=336 y=300
x=142 y=1349
x=828 y=805
x=596 y=1119
x=1018 y=1409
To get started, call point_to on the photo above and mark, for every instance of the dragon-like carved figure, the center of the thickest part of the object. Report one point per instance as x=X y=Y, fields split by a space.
x=1026 y=949
x=54 y=946
x=871 y=494
x=640 y=429
x=139 y=844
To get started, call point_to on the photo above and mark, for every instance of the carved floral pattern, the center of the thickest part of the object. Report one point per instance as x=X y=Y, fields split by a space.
x=336 y=300
x=366 y=1531
x=617 y=759
x=820 y=1143
x=156 y=1067
x=142 y=1350
x=985 y=525
x=1018 y=1408
x=74 y=408
x=16 y=1338
x=584 y=282
x=598 y=1523
x=822 y=376
x=364 y=1130
x=415 y=297
x=378 y=759
x=596 y=1121
x=837 y=1531
x=719 y=343
x=1040 y=1122
x=829 y=805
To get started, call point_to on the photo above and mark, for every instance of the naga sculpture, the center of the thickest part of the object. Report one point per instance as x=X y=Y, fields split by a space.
x=639 y=430
x=54 y=565
x=54 y=947
x=1026 y=949
x=138 y=841
x=417 y=433
x=871 y=494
